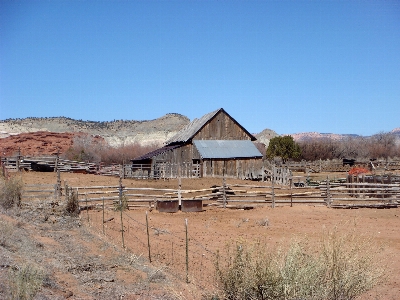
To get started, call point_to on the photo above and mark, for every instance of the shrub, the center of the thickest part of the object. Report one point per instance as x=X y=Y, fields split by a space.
x=6 y=232
x=121 y=205
x=25 y=281
x=10 y=191
x=343 y=268
x=72 y=207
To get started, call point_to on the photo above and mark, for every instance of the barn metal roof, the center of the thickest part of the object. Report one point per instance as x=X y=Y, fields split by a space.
x=196 y=125
x=226 y=149
x=156 y=152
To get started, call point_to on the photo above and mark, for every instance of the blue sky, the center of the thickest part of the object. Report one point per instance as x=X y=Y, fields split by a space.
x=291 y=66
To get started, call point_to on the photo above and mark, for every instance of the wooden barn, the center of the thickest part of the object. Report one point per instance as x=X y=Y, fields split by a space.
x=212 y=146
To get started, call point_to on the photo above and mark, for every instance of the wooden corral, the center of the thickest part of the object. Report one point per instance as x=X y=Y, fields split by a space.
x=343 y=165
x=47 y=164
x=242 y=196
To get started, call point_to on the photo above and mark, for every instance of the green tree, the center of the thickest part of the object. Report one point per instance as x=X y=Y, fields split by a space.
x=284 y=147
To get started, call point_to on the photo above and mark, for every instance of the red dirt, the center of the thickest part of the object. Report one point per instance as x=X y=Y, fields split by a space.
x=211 y=230
x=38 y=143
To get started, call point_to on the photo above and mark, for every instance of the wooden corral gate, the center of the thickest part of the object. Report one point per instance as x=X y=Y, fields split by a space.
x=41 y=192
x=357 y=195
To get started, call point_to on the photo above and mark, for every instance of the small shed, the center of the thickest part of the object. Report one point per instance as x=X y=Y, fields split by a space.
x=215 y=145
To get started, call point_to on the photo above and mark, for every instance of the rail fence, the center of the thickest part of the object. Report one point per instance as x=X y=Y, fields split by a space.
x=337 y=165
x=338 y=193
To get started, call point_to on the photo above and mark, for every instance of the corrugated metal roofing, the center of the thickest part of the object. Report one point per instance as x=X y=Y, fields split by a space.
x=226 y=149
x=156 y=152
x=192 y=128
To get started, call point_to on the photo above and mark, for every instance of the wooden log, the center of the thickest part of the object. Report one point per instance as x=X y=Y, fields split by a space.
x=98 y=199
x=150 y=189
x=356 y=206
x=101 y=192
x=363 y=199
x=276 y=201
x=95 y=187
x=39 y=185
x=39 y=191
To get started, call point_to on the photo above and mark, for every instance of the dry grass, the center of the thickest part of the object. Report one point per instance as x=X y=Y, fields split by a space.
x=343 y=268
x=25 y=281
x=10 y=191
x=6 y=232
x=72 y=206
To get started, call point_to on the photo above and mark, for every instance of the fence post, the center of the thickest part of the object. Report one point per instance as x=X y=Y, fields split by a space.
x=148 y=236
x=56 y=161
x=263 y=170
x=120 y=209
x=224 y=186
x=187 y=252
x=179 y=191
x=58 y=185
x=291 y=192
x=66 y=191
x=328 y=193
x=103 y=217
x=18 y=159
x=87 y=208
x=272 y=188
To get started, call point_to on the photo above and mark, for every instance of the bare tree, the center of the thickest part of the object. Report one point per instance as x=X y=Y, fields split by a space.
x=382 y=145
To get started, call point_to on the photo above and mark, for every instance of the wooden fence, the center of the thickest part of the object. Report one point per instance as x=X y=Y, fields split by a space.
x=41 y=192
x=336 y=195
x=47 y=164
x=337 y=165
x=245 y=196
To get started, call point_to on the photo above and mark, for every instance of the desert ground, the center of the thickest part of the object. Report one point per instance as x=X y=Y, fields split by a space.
x=80 y=262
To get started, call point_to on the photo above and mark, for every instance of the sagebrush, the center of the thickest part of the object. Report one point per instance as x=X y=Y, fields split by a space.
x=25 y=281
x=341 y=267
x=72 y=207
x=10 y=191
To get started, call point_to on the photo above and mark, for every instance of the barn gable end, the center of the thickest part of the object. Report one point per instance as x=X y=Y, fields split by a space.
x=216 y=125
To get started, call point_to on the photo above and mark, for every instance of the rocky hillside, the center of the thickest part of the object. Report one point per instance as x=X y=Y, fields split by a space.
x=116 y=133
x=265 y=135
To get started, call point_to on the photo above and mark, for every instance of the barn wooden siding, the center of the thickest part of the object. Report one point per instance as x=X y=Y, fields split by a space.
x=184 y=161
x=244 y=168
x=222 y=127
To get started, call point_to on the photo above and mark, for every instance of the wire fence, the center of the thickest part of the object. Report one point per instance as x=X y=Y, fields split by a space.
x=177 y=252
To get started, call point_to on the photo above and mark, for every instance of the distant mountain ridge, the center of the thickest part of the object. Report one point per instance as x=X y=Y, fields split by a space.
x=124 y=132
x=303 y=136
x=116 y=133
